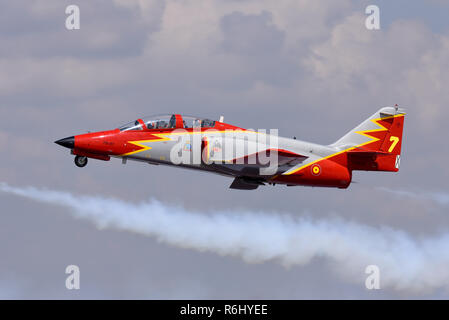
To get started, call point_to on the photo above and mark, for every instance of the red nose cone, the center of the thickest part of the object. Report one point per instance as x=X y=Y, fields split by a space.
x=104 y=142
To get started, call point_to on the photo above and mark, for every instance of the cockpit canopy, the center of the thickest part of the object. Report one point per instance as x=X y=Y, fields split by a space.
x=165 y=121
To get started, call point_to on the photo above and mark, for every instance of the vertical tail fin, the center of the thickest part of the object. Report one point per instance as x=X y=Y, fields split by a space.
x=376 y=143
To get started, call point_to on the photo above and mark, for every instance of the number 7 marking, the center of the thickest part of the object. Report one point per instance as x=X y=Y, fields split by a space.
x=395 y=142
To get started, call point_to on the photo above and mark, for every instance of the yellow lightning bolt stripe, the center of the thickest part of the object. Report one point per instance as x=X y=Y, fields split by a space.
x=363 y=133
x=164 y=137
x=139 y=144
x=161 y=136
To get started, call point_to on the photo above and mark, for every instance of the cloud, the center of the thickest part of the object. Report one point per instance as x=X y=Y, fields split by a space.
x=108 y=29
x=64 y=77
x=406 y=264
x=407 y=56
x=253 y=35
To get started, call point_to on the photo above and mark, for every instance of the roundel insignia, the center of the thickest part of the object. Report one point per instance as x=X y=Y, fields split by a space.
x=316 y=169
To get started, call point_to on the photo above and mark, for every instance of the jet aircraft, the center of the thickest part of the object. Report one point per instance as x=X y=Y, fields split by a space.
x=252 y=158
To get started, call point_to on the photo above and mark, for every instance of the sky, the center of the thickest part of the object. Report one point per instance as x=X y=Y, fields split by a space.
x=308 y=68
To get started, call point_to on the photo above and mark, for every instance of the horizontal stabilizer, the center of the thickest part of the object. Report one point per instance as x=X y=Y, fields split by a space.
x=373 y=161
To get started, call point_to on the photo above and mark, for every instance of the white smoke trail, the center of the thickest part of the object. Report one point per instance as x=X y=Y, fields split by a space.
x=405 y=263
x=440 y=198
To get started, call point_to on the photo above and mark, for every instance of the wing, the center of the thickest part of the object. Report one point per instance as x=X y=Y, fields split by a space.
x=251 y=169
x=280 y=156
x=254 y=169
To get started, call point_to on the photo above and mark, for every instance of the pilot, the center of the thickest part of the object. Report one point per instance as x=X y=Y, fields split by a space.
x=172 y=123
x=197 y=123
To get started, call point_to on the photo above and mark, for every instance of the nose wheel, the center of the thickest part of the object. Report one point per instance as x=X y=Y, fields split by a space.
x=80 y=161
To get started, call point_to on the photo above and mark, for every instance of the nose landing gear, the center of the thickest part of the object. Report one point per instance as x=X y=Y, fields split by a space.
x=80 y=161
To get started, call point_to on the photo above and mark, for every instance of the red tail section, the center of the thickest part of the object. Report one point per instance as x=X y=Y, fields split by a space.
x=383 y=152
